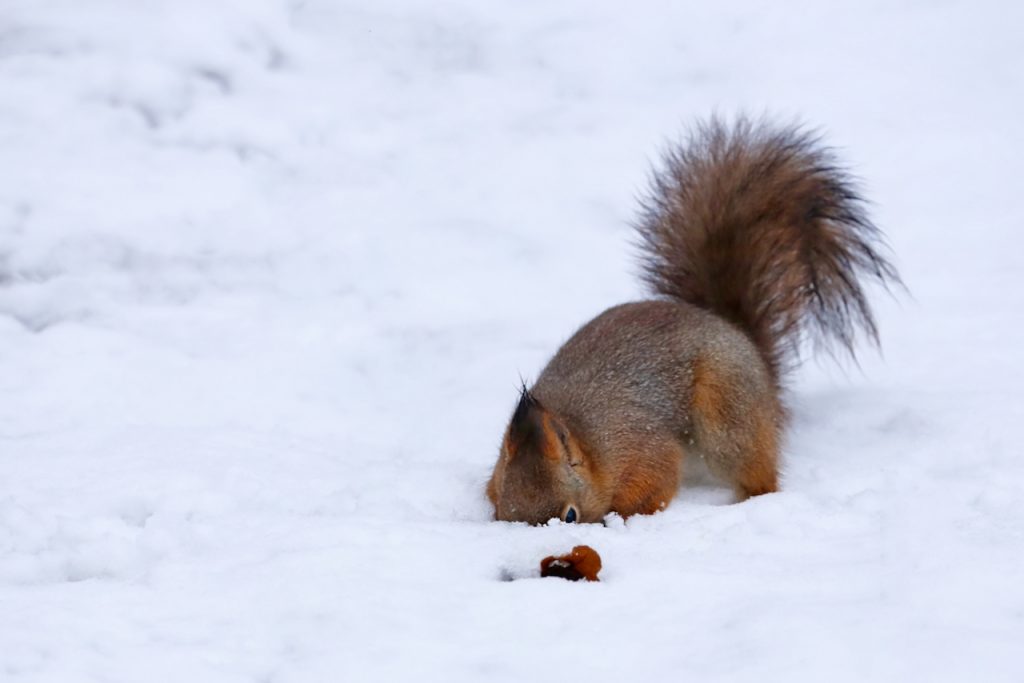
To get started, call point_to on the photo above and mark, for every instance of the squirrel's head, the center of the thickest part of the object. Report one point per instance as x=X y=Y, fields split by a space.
x=542 y=472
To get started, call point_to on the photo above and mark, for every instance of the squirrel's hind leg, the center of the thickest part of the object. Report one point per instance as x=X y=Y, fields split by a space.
x=758 y=472
x=737 y=430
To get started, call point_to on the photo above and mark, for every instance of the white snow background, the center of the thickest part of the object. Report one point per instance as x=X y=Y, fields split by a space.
x=270 y=271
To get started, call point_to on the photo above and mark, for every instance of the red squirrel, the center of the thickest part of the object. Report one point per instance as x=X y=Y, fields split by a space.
x=754 y=240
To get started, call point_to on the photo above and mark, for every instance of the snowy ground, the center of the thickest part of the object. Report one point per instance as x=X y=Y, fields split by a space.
x=269 y=273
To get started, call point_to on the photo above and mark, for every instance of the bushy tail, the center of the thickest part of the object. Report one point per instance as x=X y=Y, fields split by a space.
x=762 y=227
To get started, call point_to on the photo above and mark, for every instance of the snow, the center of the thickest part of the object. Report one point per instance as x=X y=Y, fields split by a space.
x=270 y=272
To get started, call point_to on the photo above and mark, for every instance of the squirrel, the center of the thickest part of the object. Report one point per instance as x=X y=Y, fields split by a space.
x=754 y=240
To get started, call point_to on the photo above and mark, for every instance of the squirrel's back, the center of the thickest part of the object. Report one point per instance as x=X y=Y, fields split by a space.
x=630 y=369
x=756 y=240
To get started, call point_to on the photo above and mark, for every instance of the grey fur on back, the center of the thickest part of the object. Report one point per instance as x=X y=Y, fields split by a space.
x=629 y=372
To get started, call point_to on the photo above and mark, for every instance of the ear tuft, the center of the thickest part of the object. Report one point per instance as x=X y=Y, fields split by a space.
x=527 y=402
x=527 y=420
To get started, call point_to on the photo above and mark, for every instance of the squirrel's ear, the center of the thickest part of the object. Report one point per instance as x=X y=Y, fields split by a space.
x=527 y=421
x=534 y=425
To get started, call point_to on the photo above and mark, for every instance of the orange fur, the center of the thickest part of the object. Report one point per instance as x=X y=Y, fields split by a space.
x=648 y=481
x=709 y=406
x=759 y=472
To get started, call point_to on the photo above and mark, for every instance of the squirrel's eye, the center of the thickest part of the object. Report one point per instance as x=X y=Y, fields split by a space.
x=570 y=515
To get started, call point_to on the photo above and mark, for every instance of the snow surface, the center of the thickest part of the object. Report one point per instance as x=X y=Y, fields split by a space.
x=270 y=271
